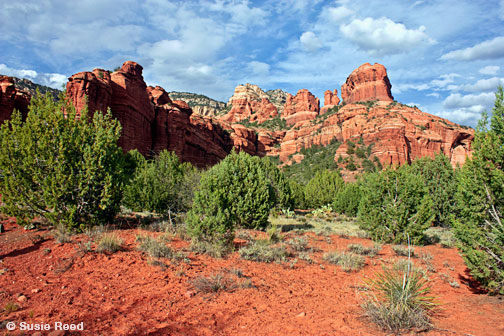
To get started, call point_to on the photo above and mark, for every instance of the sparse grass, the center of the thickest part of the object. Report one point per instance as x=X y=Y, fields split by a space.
x=245 y=235
x=62 y=237
x=403 y=251
x=450 y=280
x=299 y=244
x=110 y=243
x=364 y=250
x=262 y=252
x=10 y=307
x=213 y=250
x=155 y=248
x=214 y=283
x=306 y=257
x=443 y=236
x=348 y=261
x=399 y=300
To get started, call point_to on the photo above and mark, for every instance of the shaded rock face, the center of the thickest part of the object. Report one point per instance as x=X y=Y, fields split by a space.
x=12 y=98
x=367 y=82
x=249 y=102
x=331 y=98
x=200 y=104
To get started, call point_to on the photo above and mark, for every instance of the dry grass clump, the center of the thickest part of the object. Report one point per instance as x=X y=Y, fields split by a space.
x=262 y=252
x=364 y=250
x=348 y=261
x=405 y=251
x=110 y=243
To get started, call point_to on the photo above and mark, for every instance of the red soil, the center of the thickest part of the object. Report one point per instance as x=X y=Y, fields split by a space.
x=121 y=294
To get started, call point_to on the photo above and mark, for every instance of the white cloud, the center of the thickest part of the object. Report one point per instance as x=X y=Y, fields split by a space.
x=445 y=80
x=337 y=14
x=434 y=94
x=489 y=70
x=491 y=49
x=474 y=101
x=484 y=85
x=53 y=80
x=383 y=36
x=501 y=10
x=399 y=88
x=310 y=41
x=259 y=68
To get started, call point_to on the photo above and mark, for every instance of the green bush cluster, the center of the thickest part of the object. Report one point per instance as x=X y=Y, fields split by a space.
x=60 y=166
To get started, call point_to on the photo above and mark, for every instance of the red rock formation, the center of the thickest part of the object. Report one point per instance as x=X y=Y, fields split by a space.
x=367 y=82
x=11 y=98
x=303 y=106
x=331 y=98
x=399 y=134
x=250 y=102
x=91 y=88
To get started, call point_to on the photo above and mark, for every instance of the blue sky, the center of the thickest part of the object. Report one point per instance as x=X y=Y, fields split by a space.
x=444 y=56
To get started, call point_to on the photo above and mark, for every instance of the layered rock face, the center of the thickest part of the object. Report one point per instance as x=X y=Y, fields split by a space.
x=303 y=106
x=200 y=104
x=399 y=134
x=12 y=98
x=249 y=102
x=367 y=82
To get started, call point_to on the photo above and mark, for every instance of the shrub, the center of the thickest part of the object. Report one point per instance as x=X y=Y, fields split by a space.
x=480 y=198
x=109 y=243
x=154 y=247
x=395 y=204
x=347 y=199
x=281 y=187
x=363 y=250
x=405 y=251
x=399 y=299
x=214 y=283
x=235 y=192
x=439 y=176
x=322 y=188
x=262 y=252
x=349 y=262
x=298 y=194
x=64 y=167
x=160 y=184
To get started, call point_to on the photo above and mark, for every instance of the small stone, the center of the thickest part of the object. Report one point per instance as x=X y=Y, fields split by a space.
x=22 y=298
x=303 y=314
x=36 y=290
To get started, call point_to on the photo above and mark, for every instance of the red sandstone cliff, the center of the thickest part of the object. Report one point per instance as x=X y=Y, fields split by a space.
x=367 y=82
x=11 y=98
x=249 y=102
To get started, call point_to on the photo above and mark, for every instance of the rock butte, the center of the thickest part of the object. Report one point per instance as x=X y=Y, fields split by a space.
x=152 y=122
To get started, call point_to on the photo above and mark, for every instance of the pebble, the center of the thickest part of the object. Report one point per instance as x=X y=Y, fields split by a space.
x=22 y=298
x=36 y=290
x=303 y=314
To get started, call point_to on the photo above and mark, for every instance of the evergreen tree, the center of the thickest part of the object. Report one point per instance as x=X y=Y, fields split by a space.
x=323 y=188
x=347 y=199
x=439 y=177
x=235 y=192
x=480 y=202
x=283 y=195
x=60 y=166
x=394 y=204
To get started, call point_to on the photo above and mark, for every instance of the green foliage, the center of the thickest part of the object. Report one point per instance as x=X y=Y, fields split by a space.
x=316 y=158
x=350 y=147
x=160 y=185
x=281 y=187
x=298 y=194
x=394 y=204
x=347 y=199
x=439 y=177
x=323 y=188
x=351 y=166
x=235 y=192
x=480 y=199
x=273 y=124
x=65 y=169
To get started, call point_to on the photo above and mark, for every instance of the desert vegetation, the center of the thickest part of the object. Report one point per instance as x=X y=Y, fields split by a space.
x=65 y=171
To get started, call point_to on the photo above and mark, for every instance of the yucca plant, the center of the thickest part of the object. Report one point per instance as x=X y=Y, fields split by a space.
x=400 y=299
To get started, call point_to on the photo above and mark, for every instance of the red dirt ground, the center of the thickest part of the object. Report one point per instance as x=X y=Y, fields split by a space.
x=121 y=294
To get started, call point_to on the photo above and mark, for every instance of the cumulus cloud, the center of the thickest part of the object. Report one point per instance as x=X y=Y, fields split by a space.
x=444 y=80
x=53 y=80
x=474 y=101
x=489 y=70
x=310 y=41
x=484 y=85
x=491 y=49
x=399 y=88
x=383 y=36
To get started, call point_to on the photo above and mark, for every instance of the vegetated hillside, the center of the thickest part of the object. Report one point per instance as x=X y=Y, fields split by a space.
x=30 y=87
x=199 y=103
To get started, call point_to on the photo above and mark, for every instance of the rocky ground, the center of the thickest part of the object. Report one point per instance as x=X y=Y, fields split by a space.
x=44 y=279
